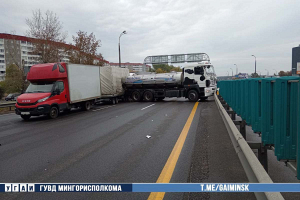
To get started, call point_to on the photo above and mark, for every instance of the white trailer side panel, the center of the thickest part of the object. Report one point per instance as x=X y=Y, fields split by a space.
x=84 y=82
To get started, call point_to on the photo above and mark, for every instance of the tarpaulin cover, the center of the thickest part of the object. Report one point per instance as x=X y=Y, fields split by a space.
x=111 y=80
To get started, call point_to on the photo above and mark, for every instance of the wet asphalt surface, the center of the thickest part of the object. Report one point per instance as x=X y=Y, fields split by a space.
x=108 y=144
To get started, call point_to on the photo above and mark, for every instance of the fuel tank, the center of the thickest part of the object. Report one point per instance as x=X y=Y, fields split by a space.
x=174 y=78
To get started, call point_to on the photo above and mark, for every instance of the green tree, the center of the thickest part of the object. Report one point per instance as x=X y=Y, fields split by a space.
x=163 y=67
x=166 y=68
x=15 y=79
x=254 y=75
x=151 y=70
x=283 y=73
x=177 y=69
x=159 y=70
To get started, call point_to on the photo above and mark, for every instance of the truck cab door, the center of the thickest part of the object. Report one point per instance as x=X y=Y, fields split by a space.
x=188 y=76
x=199 y=75
x=61 y=95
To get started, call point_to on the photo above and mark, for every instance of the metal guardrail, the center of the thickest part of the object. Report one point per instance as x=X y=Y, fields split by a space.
x=253 y=168
x=8 y=105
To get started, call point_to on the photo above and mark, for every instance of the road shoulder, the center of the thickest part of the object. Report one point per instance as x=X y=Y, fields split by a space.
x=214 y=159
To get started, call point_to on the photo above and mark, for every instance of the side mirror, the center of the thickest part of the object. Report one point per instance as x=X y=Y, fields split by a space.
x=56 y=92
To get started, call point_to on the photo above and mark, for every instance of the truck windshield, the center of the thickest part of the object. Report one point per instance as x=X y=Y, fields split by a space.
x=41 y=87
x=210 y=70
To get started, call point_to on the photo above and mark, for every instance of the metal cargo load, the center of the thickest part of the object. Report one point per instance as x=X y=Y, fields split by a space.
x=172 y=78
x=111 y=80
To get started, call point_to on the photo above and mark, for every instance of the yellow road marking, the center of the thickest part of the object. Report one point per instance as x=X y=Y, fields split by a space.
x=167 y=172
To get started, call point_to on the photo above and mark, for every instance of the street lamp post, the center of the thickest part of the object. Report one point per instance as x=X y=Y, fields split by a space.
x=124 y=32
x=255 y=63
x=236 y=69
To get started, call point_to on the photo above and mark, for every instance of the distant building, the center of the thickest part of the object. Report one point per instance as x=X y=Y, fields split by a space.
x=15 y=49
x=133 y=67
x=296 y=60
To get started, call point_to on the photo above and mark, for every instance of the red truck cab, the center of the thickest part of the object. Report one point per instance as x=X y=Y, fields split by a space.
x=48 y=92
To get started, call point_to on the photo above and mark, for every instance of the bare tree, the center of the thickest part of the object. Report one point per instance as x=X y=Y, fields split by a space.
x=47 y=33
x=85 y=49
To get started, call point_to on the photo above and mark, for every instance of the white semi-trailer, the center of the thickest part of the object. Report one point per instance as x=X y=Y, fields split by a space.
x=193 y=83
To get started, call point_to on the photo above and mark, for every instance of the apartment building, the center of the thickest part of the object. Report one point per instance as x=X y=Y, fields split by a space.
x=15 y=49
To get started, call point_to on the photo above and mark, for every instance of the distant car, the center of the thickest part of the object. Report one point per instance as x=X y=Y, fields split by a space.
x=12 y=97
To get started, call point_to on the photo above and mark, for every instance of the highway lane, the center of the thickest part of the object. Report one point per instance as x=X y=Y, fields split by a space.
x=105 y=145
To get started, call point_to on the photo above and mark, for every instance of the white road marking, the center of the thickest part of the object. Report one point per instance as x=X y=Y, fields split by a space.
x=103 y=108
x=147 y=107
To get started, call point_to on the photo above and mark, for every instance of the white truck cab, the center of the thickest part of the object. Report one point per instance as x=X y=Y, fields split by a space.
x=203 y=74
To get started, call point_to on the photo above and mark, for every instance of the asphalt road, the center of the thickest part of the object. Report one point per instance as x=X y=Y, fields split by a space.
x=108 y=144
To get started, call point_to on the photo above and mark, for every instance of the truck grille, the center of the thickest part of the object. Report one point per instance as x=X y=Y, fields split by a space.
x=26 y=104
x=26 y=109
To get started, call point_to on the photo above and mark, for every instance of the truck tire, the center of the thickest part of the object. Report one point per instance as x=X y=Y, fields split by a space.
x=53 y=112
x=136 y=96
x=113 y=101
x=26 y=117
x=193 y=95
x=148 y=96
x=117 y=100
x=86 y=105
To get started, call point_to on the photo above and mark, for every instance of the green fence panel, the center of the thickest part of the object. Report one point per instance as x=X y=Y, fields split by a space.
x=233 y=94
x=243 y=99
x=267 y=110
x=285 y=117
x=247 y=101
x=238 y=98
x=256 y=105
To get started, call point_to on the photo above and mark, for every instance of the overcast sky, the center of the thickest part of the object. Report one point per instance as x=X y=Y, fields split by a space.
x=228 y=31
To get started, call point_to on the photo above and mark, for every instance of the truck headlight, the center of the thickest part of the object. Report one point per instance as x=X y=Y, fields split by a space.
x=43 y=99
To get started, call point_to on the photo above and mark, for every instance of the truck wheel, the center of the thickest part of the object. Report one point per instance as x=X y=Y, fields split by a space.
x=53 y=112
x=26 y=117
x=193 y=95
x=136 y=96
x=113 y=101
x=86 y=105
x=148 y=96
x=117 y=100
